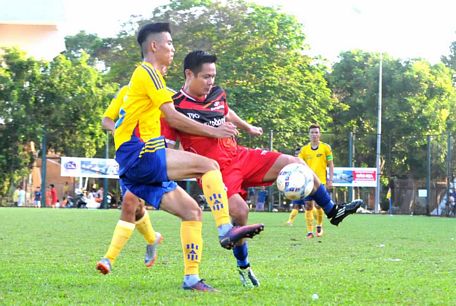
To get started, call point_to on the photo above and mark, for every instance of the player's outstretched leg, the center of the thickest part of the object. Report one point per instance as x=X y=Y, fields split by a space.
x=215 y=194
x=335 y=212
x=236 y=233
x=343 y=210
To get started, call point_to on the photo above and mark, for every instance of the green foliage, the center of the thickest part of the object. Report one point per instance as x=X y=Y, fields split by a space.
x=368 y=260
x=261 y=64
x=64 y=98
x=450 y=60
x=417 y=100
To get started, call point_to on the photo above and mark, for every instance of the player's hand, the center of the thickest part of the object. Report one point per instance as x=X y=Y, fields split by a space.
x=255 y=131
x=225 y=130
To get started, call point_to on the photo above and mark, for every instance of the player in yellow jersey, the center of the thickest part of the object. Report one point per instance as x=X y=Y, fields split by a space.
x=318 y=156
x=147 y=168
x=143 y=224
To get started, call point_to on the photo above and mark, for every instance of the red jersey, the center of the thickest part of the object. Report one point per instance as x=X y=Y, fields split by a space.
x=53 y=195
x=211 y=111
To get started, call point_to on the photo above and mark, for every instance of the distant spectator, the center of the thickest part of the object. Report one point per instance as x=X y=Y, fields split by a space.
x=16 y=196
x=48 y=197
x=21 y=198
x=99 y=195
x=64 y=202
x=54 y=198
x=37 y=197
x=66 y=190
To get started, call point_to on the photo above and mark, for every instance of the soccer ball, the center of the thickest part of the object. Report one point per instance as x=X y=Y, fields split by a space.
x=295 y=181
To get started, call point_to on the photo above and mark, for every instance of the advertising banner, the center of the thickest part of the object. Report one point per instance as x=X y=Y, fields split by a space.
x=354 y=177
x=89 y=167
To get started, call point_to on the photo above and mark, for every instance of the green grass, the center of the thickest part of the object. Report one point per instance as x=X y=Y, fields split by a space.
x=48 y=257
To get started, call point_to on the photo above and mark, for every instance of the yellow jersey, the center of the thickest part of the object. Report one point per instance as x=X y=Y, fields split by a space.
x=140 y=111
x=317 y=159
x=112 y=112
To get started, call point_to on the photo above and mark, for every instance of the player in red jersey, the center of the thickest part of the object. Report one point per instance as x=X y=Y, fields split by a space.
x=241 y=167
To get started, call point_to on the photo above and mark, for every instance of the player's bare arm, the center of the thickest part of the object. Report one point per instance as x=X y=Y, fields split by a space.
x=108 y=124
x=242 y=124
x=181 y=122
x=329 y=183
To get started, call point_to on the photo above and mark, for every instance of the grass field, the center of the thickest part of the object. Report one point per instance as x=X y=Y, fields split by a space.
x=48 y=257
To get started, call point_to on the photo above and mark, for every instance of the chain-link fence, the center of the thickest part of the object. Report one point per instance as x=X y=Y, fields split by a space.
x=418 y=169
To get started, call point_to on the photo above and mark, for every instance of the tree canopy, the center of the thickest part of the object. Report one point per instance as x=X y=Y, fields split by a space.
x=64 y=99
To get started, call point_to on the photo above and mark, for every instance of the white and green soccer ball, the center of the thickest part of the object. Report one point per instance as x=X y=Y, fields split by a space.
x=296 y=181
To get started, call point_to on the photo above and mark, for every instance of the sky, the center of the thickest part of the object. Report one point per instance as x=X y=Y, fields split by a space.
x=402 y=28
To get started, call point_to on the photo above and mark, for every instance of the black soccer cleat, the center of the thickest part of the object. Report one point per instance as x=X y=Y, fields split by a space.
x=237 y=233
x=340 y=211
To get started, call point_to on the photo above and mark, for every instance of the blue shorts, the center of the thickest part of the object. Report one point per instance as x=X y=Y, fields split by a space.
x=144 y=170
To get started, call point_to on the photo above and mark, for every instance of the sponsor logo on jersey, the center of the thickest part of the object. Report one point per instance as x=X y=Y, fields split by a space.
x=216 y=122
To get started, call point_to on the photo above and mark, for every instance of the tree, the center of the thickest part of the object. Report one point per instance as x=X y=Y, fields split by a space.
x=417 y=101
x=261 y=62
x=63 y=98
x=450 y=60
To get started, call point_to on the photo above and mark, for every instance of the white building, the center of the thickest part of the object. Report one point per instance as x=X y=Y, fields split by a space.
x=32 y=26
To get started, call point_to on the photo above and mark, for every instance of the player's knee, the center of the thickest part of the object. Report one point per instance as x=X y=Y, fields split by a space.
x=130 y=204
x=191 y=212
x=140 y=211
x=195 y=214
x=213 y=165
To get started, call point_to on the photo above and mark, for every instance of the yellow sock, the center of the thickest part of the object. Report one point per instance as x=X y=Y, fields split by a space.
x=144 y=226
x=319 y=215
x=214 y=191
x=294 y=212
x=122 y=233
x=309 y=220
x=192 y=245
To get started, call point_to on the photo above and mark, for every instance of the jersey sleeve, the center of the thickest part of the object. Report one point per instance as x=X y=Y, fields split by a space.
x=155 y=86
x=329 y=155
x=112 y=112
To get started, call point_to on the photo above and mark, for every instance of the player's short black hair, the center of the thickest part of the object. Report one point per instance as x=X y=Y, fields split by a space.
x=314 y=126
x=150 y=28
x=195 y=59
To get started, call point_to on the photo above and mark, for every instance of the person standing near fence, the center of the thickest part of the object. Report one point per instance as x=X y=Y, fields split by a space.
x=318 y=155
x=37 y=197
x=21 y=198
x=54 y=198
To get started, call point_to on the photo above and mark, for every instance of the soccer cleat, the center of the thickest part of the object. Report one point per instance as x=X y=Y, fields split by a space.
x=289 y=223
x=339 y=212
x=199 y=286
x=310 y=235
x=104 y=266
x=248 y=278
x=319 y=232
x=237 y=233
x=151 y=250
